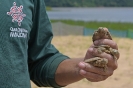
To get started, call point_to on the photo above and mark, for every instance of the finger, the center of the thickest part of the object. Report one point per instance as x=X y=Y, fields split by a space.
x=92 y=52
x=111 y=43
x=89 y=68
x=97 y=80
x=112 y=62
x=92 y=76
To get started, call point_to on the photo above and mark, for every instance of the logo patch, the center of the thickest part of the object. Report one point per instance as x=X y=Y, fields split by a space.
x=16 y=13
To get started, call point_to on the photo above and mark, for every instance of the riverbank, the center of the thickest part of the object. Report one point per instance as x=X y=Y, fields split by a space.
x=95 y=24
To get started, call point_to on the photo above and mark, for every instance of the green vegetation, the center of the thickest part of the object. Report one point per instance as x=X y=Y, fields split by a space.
x=95 y=24
x=48 y=8
x=89 y=3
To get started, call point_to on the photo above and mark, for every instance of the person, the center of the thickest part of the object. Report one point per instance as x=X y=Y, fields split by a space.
x=26 y=52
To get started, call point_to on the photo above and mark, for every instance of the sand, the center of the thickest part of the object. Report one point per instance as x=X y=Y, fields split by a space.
x=76 y=46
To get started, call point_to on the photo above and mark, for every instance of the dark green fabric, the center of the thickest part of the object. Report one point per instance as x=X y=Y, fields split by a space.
x=13 y=47
x=44 y=58
x=25 y=45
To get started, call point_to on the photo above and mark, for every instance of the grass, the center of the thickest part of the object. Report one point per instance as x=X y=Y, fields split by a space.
x=48 y=8
x=95 y=24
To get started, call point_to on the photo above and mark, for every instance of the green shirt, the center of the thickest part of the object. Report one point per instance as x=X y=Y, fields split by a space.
x=26 y=52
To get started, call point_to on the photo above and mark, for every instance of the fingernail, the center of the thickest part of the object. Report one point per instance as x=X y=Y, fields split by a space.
x=81 y=65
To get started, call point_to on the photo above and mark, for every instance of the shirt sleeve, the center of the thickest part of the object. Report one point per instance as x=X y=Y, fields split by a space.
x=43 y=57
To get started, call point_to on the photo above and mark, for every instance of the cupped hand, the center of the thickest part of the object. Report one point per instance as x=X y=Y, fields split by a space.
x=96 y=74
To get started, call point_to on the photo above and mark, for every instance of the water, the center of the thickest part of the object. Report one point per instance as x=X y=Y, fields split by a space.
x=93 y=14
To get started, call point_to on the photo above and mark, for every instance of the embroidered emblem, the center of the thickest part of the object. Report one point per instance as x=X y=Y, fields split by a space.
x=16 y=13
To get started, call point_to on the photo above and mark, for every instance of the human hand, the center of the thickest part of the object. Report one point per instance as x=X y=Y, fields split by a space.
x=95 y=74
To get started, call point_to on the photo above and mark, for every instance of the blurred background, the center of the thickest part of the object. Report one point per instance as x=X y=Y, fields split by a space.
x=117 y=15
x=74 y=22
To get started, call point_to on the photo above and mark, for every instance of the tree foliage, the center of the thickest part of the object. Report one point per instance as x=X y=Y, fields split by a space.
x=89 y=3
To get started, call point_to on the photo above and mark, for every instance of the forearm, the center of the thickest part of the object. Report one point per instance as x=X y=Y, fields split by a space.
x=68 y=72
